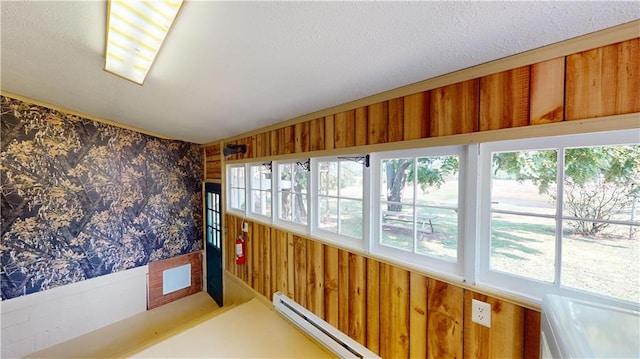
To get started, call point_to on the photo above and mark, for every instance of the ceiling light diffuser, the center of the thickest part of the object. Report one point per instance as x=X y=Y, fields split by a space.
x=135 y=32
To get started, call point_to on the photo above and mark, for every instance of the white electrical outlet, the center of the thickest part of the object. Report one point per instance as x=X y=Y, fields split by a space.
x=481 y=313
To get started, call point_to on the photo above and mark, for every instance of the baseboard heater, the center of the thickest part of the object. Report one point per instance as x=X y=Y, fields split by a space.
x=333 y=339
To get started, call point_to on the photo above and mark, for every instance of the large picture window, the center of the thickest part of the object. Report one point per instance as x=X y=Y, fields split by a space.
x=562 y=213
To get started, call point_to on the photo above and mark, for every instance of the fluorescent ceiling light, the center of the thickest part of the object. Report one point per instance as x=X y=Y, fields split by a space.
x=135 y=32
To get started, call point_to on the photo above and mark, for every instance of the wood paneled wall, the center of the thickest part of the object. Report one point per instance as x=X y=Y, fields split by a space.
x=155 y=298
x=596 y=83
x=212 y=163
x=394 y=312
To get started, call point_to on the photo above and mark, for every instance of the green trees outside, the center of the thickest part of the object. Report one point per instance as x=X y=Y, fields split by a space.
x=428 y=171
x=600 y=183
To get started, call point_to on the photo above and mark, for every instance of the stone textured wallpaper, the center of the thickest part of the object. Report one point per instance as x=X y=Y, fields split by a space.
x=81 y=199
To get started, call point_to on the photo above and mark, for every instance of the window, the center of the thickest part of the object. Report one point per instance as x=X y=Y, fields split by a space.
x=418 y=206
x=260 y=189
x=236 y=188
x=562 y=214
x=524 y=217
x=339 y=203
x=293 y=181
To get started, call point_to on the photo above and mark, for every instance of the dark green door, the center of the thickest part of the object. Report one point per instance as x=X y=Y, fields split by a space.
x=213 y=199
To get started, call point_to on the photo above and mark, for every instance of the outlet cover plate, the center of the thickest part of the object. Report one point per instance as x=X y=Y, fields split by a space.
x=481 y=313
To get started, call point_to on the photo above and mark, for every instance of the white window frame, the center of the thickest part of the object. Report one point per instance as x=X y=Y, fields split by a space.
x=276 y=204
x=521 y=286
x=333 y=237
x=229 y=186
x=249 y=207
x=454 y=270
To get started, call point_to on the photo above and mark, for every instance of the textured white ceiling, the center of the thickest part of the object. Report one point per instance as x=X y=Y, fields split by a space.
x=231 y=67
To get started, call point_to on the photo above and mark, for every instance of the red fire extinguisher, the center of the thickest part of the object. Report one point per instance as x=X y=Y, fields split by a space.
x=240 y=258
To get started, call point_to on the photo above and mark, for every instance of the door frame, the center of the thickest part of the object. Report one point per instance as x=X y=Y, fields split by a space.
x=223 y=248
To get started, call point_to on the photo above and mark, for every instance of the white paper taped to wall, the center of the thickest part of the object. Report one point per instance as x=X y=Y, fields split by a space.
x=176 y=278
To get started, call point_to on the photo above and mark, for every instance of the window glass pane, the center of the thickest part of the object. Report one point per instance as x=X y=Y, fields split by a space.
x=328 y=178
x=414 y=184
x=437 y=178
x=395 y=182
x=292 y=187
x=351 y=179
x=524 y=181
x=237 y=198
x=285 y=204
x=299 y=208
x=523 y=245
x=260 y=190
x=397 y=228
x=437 y=232
x=328 y=214
x=237 y=177
x=601 y=183
x=351 y=217
x=607 y=264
